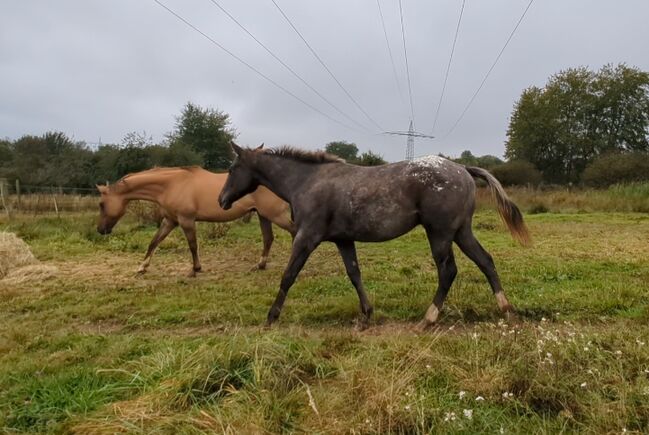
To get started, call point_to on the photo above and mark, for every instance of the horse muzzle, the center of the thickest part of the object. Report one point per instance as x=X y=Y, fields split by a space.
x=224 y=203
x=104 y=230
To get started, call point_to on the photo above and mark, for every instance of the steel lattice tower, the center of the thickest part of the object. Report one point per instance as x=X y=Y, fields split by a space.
x=410 y=143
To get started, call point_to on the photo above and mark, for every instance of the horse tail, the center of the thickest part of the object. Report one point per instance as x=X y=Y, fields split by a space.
x=508 y=211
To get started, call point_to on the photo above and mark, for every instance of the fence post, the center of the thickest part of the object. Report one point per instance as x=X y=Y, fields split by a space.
x=18 y=195
x=3 y=189
x=56 y=206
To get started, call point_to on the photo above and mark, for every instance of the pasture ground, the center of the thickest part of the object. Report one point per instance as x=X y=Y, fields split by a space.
x=100 y=350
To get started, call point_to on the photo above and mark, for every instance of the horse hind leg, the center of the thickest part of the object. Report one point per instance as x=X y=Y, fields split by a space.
x=189 y=228
x=348 y=253
x=166 y=226
x=267 y=235
x=472 y=248
x=442 y=252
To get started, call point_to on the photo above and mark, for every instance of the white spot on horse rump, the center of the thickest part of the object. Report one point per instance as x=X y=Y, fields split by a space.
x=431 y=161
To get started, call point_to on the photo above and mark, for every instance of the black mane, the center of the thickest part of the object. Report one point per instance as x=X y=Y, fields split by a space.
x=304 y=156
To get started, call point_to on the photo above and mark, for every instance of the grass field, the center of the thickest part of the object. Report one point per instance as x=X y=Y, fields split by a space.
x=100 y=350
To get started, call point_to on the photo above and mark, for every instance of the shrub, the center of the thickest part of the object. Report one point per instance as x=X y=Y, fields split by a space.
x=517 y=173
x=617 y=169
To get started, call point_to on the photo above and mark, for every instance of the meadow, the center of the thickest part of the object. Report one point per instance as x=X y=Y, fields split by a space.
x=99 y=349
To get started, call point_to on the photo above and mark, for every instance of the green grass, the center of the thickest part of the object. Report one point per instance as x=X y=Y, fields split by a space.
x=100 y=350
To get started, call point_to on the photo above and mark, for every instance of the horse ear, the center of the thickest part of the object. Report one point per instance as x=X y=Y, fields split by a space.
x=101 y=189
x=260 y=147
x=236 y=148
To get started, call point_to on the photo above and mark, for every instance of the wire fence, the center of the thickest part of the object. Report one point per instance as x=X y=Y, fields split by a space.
x=17 y=198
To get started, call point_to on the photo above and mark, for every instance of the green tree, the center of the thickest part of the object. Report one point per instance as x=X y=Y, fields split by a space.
x=578 y=115
x=6 y=152
x=207 y=132
x=343 y=149
x=370 y=159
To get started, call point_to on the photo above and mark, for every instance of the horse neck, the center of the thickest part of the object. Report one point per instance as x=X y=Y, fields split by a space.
x=282 y=175
x=144 y=186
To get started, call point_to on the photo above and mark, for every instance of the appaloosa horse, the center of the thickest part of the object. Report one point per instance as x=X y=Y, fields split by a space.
x=342 y=203
x=186 y=195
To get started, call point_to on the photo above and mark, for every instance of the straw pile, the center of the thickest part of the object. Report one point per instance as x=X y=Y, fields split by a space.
x=18 y=264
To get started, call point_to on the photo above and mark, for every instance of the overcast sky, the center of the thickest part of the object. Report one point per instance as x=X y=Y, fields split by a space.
x=100 y=69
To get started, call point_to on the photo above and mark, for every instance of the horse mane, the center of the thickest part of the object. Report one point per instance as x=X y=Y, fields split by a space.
x=122 y=181
x=300 y=155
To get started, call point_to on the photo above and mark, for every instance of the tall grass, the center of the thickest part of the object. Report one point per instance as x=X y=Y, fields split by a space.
x=632 y=197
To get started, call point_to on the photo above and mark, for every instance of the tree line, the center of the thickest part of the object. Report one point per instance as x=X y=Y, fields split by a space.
x=201 y=136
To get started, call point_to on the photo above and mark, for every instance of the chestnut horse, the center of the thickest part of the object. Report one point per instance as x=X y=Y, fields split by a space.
x=186 y=195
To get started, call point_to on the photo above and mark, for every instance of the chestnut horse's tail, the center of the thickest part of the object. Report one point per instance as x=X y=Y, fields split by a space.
x=508 y=211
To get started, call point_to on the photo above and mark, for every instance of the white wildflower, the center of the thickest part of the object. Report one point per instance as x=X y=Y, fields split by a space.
x=468 y=413
x=479 y=399
x=407 y=407
x=461 y=394
x=450 y=416
x=583 y=385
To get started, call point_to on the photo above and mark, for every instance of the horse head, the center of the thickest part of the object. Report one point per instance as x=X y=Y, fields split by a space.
x=112 y=207
x=241 y=177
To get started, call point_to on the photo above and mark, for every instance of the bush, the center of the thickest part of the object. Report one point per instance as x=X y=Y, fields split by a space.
x=517 y=173
x=617 y=169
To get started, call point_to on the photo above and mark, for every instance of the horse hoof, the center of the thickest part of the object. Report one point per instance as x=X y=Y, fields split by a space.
x=424 y=325
x=361 y=325
x=511 y=317
x=191 y=274
x=140 y=272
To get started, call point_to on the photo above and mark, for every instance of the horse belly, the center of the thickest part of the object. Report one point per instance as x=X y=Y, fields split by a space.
x=376 y=224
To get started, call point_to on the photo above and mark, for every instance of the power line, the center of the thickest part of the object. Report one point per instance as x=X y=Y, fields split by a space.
x=475 y=94
x=387 y=43
x=252 y=68
x=291 y=70
x=448 y=67
x=405 y=53
x=326 y=67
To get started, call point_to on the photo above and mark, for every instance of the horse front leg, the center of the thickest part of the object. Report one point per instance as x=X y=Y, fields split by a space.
x=303 y=246
x=347 y=251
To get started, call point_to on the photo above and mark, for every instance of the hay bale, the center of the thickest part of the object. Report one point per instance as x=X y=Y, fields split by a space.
x=18 y=264
x=14 y=253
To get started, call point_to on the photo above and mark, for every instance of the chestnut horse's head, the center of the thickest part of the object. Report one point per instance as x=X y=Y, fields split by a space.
x=241 y=176
x=112 y=207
